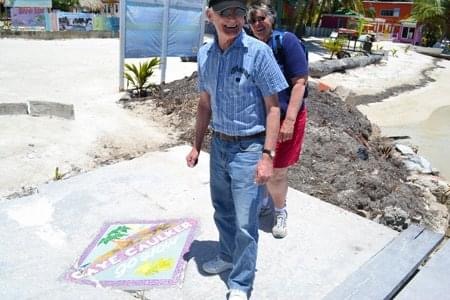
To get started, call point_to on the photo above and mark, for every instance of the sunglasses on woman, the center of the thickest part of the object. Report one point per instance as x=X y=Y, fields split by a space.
x=257 y=19
x=236 y=11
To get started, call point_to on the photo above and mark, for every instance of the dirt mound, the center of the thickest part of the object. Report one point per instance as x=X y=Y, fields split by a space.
x=343 y=162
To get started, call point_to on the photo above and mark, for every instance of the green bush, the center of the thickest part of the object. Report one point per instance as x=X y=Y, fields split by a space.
x=334 y=45
x=138 y=76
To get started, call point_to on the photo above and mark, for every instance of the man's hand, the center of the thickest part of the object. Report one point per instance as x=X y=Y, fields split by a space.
x=264 y=170
x=192 y=158
x=286 y=131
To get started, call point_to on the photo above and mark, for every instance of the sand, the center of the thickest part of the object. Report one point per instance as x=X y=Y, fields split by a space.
x=84 y=73
x=80 y=72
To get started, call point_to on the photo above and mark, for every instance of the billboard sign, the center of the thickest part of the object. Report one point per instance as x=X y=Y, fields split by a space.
x=28 y=16
x=68 y=21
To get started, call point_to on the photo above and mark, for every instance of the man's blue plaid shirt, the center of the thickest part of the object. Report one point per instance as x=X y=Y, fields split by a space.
x=236 y=80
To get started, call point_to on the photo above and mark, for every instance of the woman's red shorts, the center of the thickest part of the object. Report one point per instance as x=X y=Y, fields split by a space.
x=288 y=153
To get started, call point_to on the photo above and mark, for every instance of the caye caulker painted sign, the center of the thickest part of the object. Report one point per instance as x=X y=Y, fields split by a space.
x=136 y=255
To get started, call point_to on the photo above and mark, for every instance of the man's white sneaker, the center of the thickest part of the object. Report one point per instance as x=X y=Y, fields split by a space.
x=216 y=266
x=237 y=295
x=279 y=229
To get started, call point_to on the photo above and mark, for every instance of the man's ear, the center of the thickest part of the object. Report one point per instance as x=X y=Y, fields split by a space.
x=209 y=14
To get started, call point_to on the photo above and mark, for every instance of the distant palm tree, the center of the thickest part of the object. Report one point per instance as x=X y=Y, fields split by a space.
x=432 y=15
x=65 y=5
x=309 y=12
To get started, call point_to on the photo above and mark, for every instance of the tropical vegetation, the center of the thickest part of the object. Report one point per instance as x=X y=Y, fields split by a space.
x=139 y=75
x=309 y=12
x=65 y=5
x=334 y=46
x=434 y=15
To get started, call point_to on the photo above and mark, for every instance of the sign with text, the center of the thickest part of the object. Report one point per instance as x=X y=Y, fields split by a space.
x=68 y=21
x=136 y=255
x=28 y=16
x=29 y=3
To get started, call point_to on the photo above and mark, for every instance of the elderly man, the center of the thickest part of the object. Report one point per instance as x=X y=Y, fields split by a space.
x=238 y=81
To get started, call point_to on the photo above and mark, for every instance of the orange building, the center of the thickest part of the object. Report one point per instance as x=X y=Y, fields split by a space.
x=391 y=12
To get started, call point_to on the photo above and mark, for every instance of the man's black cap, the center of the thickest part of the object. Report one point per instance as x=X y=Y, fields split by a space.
x=219 y=5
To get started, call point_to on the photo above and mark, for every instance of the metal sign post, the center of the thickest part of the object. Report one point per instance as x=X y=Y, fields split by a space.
x=164 y=42
x=122 y=16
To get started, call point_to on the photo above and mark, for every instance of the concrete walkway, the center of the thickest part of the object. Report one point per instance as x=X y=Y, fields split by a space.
x=42 y=235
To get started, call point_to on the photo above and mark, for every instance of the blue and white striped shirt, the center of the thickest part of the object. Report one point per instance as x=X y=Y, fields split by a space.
x=236 y=80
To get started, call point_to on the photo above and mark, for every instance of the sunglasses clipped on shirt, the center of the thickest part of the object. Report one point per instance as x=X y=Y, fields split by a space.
x=228 y=12
x=257 y=19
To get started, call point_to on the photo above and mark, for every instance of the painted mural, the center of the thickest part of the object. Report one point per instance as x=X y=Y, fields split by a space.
x=135 y=255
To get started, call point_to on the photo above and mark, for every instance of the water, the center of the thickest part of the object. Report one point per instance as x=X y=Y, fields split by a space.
x=422 y=114
x=432 y=136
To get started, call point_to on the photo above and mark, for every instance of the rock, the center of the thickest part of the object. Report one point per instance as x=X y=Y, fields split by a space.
x=342 y=92
x=124 y=96
x=436 y=185
x=404 y=150
x=395 y=218
x=414 y=162
x=362 y=153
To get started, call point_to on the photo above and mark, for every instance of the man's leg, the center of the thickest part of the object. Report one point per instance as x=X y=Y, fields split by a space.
x=222 y=200
x=246 y=197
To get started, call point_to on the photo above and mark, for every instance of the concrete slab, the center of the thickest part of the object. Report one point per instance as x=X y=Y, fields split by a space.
x=46 y=108
x=42 y=235
x=13 y=109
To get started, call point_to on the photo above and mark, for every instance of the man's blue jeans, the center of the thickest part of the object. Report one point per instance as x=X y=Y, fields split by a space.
x=235 y=197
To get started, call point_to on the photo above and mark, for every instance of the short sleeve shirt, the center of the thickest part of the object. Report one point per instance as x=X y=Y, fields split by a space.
x=236 y=80
x=292 y=62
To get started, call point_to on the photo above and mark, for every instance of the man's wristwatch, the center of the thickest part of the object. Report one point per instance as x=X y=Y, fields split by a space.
x=271 y=153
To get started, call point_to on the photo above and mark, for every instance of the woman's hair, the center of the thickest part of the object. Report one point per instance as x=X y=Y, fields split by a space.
x=264 y=8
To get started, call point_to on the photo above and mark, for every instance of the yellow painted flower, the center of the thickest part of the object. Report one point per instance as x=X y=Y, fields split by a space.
x=150 y=268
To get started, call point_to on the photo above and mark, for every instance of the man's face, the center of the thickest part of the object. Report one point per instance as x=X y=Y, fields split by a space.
x=228 y=22
x=261 y=26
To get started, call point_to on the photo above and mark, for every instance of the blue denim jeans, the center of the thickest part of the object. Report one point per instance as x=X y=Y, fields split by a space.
x=235 y=197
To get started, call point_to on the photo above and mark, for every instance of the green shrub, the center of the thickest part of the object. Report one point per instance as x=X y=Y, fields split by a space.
x=394 y=52
x=138 y=76
x=334 y=45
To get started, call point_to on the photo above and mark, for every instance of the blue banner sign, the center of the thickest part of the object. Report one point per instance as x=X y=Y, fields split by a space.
x=144 y=23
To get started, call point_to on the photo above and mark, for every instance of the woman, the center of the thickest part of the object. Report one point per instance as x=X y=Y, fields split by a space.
x=291 y=58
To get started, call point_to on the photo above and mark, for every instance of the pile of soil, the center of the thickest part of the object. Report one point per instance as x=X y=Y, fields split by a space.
x=343 y=161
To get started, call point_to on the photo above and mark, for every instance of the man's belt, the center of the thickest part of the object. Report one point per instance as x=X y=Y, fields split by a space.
x=230 y=138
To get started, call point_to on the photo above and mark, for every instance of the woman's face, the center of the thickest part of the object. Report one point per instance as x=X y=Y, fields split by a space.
x=261 y=25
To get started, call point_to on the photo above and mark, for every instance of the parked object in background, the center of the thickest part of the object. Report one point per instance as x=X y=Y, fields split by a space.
x=352 y=42
x=444 y=45
x=188 y=58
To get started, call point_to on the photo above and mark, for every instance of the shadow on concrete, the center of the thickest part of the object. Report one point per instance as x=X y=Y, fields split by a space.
x=266 y=222
x=203 y=251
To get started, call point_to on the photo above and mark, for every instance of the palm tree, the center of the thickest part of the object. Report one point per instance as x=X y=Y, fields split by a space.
x=431 y=14
x=64 y=5
x=308 y=12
